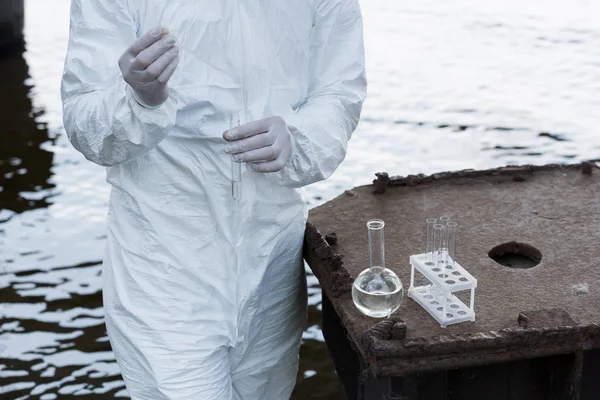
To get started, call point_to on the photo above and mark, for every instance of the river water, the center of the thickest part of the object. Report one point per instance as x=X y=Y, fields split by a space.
x=452 y=85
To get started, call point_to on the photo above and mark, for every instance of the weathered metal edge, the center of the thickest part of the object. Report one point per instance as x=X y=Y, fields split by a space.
x=335 y=279
x=404 y=356
x=316 y=248
x=518 y=173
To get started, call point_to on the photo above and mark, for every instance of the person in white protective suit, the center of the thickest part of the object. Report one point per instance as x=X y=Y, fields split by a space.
x=205 y=297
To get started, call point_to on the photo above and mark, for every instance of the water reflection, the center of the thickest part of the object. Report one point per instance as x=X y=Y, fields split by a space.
x=53 y=342
x=53 y=334
x=25 y=168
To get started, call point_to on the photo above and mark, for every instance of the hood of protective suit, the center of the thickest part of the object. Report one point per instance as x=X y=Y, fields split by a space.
x=204 y=296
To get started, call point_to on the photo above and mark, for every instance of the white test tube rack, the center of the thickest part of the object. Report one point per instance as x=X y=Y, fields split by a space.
x=438 y=297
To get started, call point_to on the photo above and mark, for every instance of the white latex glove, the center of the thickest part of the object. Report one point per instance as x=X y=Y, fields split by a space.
x=266 y=145
x=148 y=64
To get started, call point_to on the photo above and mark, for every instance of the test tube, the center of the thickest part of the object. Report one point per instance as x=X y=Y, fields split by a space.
x=444 y=220
x=438 y=231
x=236 y=168
x=452 y=229
x=438 y=237
x=376 y=245
x=429 y=248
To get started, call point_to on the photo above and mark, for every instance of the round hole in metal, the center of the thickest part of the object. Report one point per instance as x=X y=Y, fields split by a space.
x=516 y=255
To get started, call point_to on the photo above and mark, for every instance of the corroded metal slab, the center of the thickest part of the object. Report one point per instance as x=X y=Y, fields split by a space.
x=549 y=309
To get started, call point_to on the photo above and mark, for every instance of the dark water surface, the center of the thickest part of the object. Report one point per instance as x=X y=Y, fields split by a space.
x=461 y=84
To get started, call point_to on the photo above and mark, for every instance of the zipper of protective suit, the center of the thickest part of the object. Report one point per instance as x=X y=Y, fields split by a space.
x=244 y=92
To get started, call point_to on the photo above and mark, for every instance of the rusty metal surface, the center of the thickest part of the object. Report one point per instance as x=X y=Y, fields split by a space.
x=521 y=314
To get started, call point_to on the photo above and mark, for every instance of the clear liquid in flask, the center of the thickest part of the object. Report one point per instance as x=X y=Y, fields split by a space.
x=377 y=292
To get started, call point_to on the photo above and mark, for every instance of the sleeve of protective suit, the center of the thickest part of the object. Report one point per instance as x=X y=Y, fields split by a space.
x=323 y=125
x=102 y=118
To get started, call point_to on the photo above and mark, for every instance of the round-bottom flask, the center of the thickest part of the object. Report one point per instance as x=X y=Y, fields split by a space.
x=377 y=291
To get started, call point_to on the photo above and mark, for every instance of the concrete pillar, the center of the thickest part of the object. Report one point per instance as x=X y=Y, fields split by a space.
x=11 y=24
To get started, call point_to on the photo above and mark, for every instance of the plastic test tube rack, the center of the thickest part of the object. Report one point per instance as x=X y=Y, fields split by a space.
x=438 y=296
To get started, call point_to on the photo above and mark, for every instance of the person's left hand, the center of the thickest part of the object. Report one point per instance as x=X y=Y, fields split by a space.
x=266 y=145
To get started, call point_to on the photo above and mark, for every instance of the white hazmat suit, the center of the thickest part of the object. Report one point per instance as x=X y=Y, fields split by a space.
x=205 y=297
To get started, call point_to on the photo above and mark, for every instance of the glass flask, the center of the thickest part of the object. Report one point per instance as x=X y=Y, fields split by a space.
x=377 y=291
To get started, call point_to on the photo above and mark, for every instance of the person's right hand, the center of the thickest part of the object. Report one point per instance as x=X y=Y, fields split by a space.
x=148 y=64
